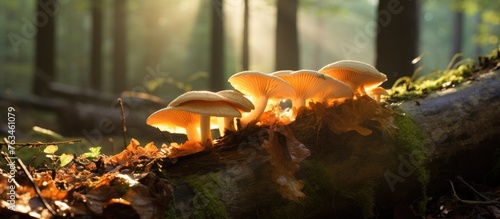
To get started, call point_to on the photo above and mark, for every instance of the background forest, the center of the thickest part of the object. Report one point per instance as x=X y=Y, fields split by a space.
x=99 y=48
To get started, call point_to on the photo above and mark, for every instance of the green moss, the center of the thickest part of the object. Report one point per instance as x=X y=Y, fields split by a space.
x=408 y=88
x=120 y=185
x=207 y=202
x=323 y=196
x=365 y=198
x=170 y=211
x=410 y=140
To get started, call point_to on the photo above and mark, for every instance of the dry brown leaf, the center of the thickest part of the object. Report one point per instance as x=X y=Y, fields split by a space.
x=285 y=160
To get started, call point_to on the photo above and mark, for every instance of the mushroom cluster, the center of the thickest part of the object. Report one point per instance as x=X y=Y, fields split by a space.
x=195 y=113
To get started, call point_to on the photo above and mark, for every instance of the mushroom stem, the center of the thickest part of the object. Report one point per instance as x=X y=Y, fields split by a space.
x=225 y=123
x=260 y=104
x=192 y=132
x=296 y=104
x=229 y=124
x=221 y=124
x=205 y=132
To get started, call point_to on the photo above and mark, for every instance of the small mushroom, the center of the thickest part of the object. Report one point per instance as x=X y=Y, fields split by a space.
x=359 y=76
x=206 y=104
x=240 y=102
x=260 y=87
x=308 y=84
x=176 y=121
x=375 y=93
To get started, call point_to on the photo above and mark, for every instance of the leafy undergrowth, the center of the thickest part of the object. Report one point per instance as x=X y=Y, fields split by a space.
x=124 y=185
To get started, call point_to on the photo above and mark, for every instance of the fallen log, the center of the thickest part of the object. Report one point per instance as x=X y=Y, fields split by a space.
x=451 y=132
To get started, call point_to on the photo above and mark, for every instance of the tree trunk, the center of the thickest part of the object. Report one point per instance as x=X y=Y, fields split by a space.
x=95 y=54
x=477 y=22
x=397 y=39
x=458 y=24
x=45 y=46
x=287 y=44
x=348 y=175
x=119 y=79
x=217 y=49
x=245 y=50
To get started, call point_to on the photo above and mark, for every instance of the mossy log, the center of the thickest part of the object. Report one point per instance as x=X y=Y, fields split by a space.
x=448 y=133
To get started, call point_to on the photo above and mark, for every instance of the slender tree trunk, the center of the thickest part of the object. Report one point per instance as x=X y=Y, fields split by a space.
x=397 y=39
x=45 y=46
x=95 y=54
x=119 y=46
x=477 y=47
x=287 y=45
x=458 y=20
x=217 y=49
x=245 y=50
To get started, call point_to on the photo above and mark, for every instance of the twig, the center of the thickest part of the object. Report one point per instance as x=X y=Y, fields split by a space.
x=473 y=202
x=166 y=138
x=472 y=188
x=120 y=101
x=39 y=144
x=35 y=186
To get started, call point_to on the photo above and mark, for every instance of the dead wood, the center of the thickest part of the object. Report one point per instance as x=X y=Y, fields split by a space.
x=458 y=128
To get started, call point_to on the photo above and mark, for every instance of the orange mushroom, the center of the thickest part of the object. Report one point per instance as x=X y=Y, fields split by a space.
x=260 y=87
x=359 y=76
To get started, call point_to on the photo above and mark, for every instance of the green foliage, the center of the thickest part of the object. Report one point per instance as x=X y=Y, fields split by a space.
x=93 y=154
x=50 y=149
x=488 y=28
x=65 y=159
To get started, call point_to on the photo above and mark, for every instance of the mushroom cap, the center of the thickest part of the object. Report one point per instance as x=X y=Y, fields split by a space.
x=375 y=93
x=378 y=91
x=205 y=103
x=239 y=101
x=254 y=83
x=338 y=90
x=172 y=120
x=309 y=83
x=355 y=74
